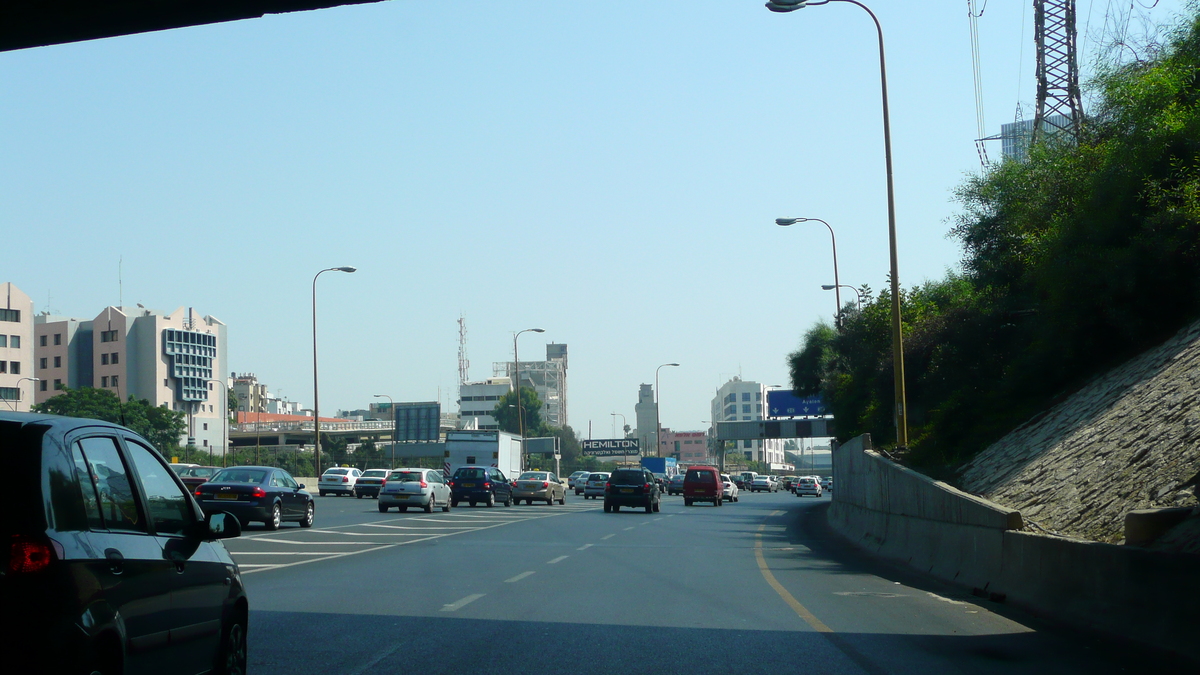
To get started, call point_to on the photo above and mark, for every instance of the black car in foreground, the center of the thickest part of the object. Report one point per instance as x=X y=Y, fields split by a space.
x=102 y=541
x=631 y=487
x=257 y=493
x=480 y=485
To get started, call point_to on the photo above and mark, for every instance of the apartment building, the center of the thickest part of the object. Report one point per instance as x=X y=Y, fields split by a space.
x=477 y=401
x=17 y=379
x=743 y=400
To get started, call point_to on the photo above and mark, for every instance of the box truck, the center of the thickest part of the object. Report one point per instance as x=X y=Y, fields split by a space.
x=483 y=448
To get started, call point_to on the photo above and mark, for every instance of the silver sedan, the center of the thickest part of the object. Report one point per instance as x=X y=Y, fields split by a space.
x=540 y=486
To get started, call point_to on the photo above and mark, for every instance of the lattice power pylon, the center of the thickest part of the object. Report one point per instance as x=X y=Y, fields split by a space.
x=1059 y=105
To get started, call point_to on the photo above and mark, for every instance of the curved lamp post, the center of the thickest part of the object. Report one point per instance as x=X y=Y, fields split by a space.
x=784 y=222
x=657 y=420
x=857 y=302
x=316 y=389
x=13 y=404
x=901 y=412
x=517 y=391
x=389 y=398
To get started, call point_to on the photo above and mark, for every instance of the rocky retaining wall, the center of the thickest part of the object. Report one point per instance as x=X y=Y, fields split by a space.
x=907 y=517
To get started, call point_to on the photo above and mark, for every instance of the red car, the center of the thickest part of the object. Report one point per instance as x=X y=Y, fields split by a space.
x=194 y=476
x=702 y=484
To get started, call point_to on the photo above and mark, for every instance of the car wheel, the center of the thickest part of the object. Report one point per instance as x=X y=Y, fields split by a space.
x=402 y=509
x=322 y=493
x=446 y=507
x=383 y=508
x=310 y=514
x=432 y=503
x=650 y=507
x=687 y=502
x=563 y=499
x=508 y=501
x=358 y=494
x=491 y=500
x=276 y=518
x=232 y=660
x=616 y=508
x=454 y=502
x=607 y=507
x=657 y=507
x=528 y=502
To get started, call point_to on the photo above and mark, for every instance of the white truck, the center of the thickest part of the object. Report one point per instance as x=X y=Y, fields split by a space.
x=483 y=448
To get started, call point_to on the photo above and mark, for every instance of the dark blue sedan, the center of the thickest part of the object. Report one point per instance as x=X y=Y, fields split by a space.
x=257 y=493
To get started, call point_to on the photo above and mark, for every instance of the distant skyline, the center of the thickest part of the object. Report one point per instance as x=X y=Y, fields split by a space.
x=610 y=173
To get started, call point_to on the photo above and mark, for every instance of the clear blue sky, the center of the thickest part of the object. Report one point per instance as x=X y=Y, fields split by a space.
x=607 y=171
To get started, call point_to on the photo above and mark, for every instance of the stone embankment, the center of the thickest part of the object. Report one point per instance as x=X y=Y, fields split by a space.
x=1128 y=440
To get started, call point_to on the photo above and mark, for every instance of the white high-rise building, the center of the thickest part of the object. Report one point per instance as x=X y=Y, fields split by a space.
x=548 y=378
x=477 y=401
x=17 y=378
x=646 y=412
x=743 y=401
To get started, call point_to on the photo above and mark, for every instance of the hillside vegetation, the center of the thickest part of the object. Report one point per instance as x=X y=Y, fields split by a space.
x=1073 y=261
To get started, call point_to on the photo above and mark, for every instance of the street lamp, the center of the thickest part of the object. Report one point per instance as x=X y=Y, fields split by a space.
x=625 y=459
x=19 y=381
x=657 y=420
x=393 y=404
x=517 y=390
x=901 y=412
x=857 y=303
x=316 y=390
x=784 y=222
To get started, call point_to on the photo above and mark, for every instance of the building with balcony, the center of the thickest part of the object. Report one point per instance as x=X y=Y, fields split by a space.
x=17 y=376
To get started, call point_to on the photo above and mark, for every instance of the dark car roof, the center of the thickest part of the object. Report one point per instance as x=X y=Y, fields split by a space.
x=58 y=422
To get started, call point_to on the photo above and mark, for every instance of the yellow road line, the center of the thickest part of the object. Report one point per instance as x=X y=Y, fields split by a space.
x=791 y=601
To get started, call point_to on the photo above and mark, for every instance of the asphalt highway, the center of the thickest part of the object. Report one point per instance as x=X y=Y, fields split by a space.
x=760 y=586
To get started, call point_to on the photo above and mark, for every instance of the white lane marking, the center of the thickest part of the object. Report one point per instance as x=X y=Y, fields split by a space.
x=608 y=536
x=318 y=543
x=424 y=529
x=672 y=515
x=935 y=596
x=644 y=524
x=330 y=553
x=558 y=559
x=584 y=547
x=777 y=513
x=455 y=606
x=657 y=519
x=262 y=568
x=628 y=529
x=519 y=577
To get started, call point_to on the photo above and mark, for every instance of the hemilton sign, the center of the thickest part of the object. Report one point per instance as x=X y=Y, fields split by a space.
x=611 y=447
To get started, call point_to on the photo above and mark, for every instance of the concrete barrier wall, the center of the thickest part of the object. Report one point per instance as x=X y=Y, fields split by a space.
x=931 y=526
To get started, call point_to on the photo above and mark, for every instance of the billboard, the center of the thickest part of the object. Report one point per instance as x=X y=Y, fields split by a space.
x=547 y=445
x=737 y=431
x=610 y=447
x=783 y=403
x=418 y=421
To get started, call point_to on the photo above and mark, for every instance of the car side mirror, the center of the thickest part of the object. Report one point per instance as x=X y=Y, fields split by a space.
x=223 y=525
x=302 y=486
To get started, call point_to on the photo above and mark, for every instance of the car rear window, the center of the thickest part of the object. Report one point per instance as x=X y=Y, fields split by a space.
x=628 y=477
x=475 y=474
x=699 y=476
x=597 y=476
x=247 y=476
x=406 y=476
x=375 y=473
x=535 y=475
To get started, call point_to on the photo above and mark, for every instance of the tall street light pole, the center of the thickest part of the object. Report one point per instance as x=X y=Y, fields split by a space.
x=517 y=391
x=657 y=419
x=901 y=411
x=316 y=389
x=857 y=303
x=615 y=415
x=784 y=222
x=393 y=404
x=13 y=404
x=224 y=420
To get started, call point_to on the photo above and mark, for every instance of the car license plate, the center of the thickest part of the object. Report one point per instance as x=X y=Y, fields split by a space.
x=628 y=490
x=401 y=496
x=227 y=495
x=468 y=485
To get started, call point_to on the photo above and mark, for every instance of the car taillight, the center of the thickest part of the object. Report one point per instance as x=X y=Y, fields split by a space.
x=545 y=484
x=345 y=479
x=451 y=483
x=27 y=555
x=424 y=484
x=384 y=483
x=487 y=486
x=258 y=492
x=197 y=492
x=646 y=487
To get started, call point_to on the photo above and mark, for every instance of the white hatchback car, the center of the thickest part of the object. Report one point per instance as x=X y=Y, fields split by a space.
x=808 y=486
x=338 y=480
x=423 y=488
x=729 y=490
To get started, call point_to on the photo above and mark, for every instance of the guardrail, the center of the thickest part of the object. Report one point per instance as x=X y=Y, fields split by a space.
x=275 y=427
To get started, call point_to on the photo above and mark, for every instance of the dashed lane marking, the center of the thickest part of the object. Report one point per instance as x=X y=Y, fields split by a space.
x=519 y=577
x=608 y=536
x=558 y=559
x=584 y=547
x=455 y=606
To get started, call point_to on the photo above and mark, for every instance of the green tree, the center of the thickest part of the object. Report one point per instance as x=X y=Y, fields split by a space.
x=531 y=407
x=159 y=425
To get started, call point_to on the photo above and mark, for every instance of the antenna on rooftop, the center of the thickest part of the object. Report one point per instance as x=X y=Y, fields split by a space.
x=464 y=364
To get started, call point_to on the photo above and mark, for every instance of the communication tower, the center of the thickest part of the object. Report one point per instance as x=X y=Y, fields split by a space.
x=463 y=363
x=1059 y=104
